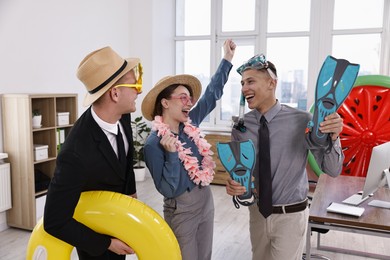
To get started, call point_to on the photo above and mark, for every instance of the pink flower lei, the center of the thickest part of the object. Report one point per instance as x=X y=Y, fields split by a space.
x=203 y=175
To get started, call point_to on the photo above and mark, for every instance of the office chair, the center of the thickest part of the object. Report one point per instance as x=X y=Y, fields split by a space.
x=366 y=118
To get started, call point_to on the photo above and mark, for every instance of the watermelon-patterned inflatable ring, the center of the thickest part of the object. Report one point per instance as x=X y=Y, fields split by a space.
x=366 y=115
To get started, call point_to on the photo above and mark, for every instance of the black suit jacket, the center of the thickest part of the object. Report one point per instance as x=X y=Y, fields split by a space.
x=86 y=162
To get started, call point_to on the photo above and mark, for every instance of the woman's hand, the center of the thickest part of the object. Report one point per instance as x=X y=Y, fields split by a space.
x=169 y=143
x=229 y=48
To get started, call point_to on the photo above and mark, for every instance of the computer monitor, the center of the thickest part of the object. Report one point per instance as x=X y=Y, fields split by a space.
x=378 y=169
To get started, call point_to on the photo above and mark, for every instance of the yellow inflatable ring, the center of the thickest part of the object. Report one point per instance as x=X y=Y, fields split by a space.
x=131 y=221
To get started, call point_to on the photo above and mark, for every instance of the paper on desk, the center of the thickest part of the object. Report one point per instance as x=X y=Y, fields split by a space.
x=345 y=209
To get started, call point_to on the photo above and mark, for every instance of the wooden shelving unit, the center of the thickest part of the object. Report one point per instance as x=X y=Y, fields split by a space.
x=19 y=140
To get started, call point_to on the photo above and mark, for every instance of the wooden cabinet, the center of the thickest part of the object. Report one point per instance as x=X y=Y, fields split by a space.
x=29 y=177
x=221 y=175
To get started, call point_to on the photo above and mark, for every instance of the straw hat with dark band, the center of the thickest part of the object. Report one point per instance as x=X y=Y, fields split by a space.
x=149 y=102
x=100 y=69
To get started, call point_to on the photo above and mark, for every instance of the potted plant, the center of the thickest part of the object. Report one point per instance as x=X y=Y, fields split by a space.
x=140 y=132
x=36 y=118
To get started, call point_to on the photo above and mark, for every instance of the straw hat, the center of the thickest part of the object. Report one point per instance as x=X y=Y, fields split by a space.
x=149 y=102
x=100 y=69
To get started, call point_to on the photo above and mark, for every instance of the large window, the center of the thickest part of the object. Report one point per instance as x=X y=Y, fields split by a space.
x=295 y=35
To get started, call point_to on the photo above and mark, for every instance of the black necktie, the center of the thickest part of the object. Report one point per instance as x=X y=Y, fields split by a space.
x=265 y=182
x=121 y=148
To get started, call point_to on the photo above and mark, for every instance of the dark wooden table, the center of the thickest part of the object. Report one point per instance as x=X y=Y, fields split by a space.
x=374 y=221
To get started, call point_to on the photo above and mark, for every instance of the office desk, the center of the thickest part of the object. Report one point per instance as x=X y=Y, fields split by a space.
x=374 y=221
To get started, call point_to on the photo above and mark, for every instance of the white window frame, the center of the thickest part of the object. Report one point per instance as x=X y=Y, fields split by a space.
x=320 y=43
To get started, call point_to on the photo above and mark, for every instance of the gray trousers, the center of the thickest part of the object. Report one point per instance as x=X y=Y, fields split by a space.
x=191 y=217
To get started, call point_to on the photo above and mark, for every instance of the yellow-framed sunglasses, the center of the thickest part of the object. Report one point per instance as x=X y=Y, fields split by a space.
x=138 y=75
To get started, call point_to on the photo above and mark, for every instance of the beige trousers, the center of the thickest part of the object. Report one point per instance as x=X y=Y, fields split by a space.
x=279 y=237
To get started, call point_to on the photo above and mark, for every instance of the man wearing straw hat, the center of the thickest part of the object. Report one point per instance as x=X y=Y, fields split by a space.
x=97 y=153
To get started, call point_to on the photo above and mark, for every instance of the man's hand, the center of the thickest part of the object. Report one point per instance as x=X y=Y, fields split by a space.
x=333 y=125
x=229 y=48
x=119 y=247
x=234 y=188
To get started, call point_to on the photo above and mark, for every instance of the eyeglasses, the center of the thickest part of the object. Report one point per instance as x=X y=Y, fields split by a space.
x=257 y=62
x=184 y=98
x=138 y=75
x=137 y=87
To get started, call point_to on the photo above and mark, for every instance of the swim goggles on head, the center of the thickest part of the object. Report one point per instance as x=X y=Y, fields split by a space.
x=257 y=62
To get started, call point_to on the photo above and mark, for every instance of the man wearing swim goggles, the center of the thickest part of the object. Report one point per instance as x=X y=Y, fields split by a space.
x=279 y=231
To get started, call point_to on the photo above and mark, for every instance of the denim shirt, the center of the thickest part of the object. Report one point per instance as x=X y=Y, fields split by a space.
x=168 y=173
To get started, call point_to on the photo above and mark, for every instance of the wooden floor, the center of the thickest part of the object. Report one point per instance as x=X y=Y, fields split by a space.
x=231 y=235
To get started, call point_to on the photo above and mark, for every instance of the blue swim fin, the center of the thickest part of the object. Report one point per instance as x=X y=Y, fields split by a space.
x=239 y=160
x=334 y=83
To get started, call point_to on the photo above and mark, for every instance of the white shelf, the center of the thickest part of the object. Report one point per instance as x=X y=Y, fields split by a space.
x=3 y=156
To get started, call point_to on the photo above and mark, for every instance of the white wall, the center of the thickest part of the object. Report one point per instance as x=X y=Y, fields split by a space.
x=42 y=43
x=152 y=27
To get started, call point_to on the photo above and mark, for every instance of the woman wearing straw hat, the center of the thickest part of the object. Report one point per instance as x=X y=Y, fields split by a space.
x=90 y=158
x=179 y=158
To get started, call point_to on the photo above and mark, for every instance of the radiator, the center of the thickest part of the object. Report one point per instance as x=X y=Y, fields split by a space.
x=5 y=187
